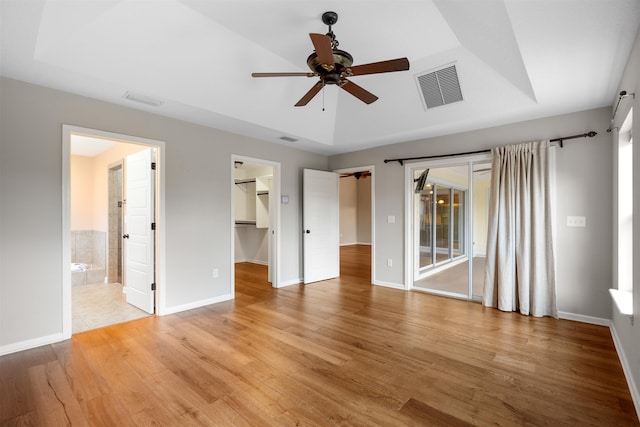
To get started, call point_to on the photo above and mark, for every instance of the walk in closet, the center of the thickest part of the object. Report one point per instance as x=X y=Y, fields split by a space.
x=251 y=212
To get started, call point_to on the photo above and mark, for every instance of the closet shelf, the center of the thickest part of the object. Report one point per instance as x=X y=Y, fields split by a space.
x=242 y=222
x=262 y=193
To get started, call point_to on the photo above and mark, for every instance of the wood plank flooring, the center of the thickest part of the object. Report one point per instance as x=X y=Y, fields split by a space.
x=338 y=352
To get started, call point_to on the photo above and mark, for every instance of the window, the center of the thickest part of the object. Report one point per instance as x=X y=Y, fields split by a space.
x=623 y=295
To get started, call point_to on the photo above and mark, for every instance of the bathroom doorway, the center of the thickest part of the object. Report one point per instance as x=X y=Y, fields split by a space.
x=108 y=281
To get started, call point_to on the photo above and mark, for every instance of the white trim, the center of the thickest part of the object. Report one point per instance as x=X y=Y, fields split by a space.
x=160 y=263
x=584 y=318
x=275 y=196
x=372 y=170
x=443 y=293
x=623 y=301
x=627 y=369
x=291 y=282
x=32 y=343
x=197 y=304
x=355 y=243
x=389 y=285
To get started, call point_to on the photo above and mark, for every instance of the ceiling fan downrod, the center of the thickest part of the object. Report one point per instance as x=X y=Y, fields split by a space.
x=330 y=18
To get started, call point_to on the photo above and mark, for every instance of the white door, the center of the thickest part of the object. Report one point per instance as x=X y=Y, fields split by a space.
x=138 y=237
x=321 y=218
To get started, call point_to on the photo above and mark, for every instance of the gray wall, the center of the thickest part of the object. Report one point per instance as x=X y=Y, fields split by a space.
x=197 y=190
x=584 y=174
x=627 y=334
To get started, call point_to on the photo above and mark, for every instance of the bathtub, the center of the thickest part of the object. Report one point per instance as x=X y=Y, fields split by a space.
x=78 y=266
x=86 y=274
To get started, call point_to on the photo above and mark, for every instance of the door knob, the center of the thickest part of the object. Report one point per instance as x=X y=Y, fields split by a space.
x=307 y=231
x=125 y=236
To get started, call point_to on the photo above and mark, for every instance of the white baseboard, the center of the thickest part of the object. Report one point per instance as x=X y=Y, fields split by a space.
x=356 y=243
x=32 y=343
x=290 y=283
x=627 y=369
x=196 y=304
x=584 y=318
x=389 y=285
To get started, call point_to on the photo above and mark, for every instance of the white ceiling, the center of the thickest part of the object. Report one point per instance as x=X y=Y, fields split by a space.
x=516 y=60
x=87 y=146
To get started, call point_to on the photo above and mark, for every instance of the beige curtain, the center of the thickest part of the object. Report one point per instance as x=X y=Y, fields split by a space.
x=520 y=267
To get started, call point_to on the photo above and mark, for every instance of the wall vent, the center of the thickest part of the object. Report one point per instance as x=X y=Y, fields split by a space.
x=288 y=138
x=440 y=87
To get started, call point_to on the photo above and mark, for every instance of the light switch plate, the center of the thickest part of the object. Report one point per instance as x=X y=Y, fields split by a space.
x=391 y=219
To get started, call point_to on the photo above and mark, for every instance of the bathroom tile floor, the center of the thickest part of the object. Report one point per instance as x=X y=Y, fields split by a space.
x=101 y=304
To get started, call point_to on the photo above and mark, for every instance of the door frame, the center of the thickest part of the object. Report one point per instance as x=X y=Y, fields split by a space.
x=371 y=169
x=274 y=217
x=160 y=261
x=409 y=192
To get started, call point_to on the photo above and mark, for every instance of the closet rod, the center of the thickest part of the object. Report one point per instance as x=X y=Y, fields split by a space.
x=245 y=181
x=560 y=140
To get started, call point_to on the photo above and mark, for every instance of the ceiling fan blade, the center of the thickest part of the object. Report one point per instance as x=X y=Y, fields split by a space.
x=309 y=95
x=324 y=52
x=357 y=91
x=400 y=64
x=282 y=74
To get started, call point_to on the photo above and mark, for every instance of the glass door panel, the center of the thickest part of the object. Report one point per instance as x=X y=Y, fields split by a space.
x=458 y=223
x=451 y=214
x=442 y=223
x=426 y=229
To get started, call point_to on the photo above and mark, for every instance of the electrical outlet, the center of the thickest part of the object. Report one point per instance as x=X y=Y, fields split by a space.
x=389 y=262
x=216 y=273
x=576 y=221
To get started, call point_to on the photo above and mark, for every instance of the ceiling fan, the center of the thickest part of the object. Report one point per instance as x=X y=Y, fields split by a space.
x=333 y=66
x=356 y=175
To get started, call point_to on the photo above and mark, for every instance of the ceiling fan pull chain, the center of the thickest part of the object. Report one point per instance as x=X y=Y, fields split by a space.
x=323 y=86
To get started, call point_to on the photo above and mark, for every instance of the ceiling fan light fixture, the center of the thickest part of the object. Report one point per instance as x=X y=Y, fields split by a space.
x=332 y=66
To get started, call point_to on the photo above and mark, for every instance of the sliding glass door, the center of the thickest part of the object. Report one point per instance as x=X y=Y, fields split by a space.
x=446 y=226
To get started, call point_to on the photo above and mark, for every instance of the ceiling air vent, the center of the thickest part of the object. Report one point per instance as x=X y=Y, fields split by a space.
x=288 y=138
x=440 y=87
x=143 y=99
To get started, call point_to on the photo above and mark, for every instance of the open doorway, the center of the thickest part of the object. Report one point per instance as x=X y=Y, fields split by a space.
x=110 y=214
x=255 y=212
x=356 y=220
x=448 y=205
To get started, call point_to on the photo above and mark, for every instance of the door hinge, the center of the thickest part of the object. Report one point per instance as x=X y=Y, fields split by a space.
x=153 y=165
x=153 y=286
x=153 y=226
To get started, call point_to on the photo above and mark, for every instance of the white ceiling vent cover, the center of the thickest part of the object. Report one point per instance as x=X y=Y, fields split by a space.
x=440 y=87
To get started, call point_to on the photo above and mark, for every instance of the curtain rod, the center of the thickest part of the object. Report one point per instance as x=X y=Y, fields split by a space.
x=621 y=96
x=560 y=140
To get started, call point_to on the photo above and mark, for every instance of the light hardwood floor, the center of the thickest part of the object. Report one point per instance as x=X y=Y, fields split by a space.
x=339 y=352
